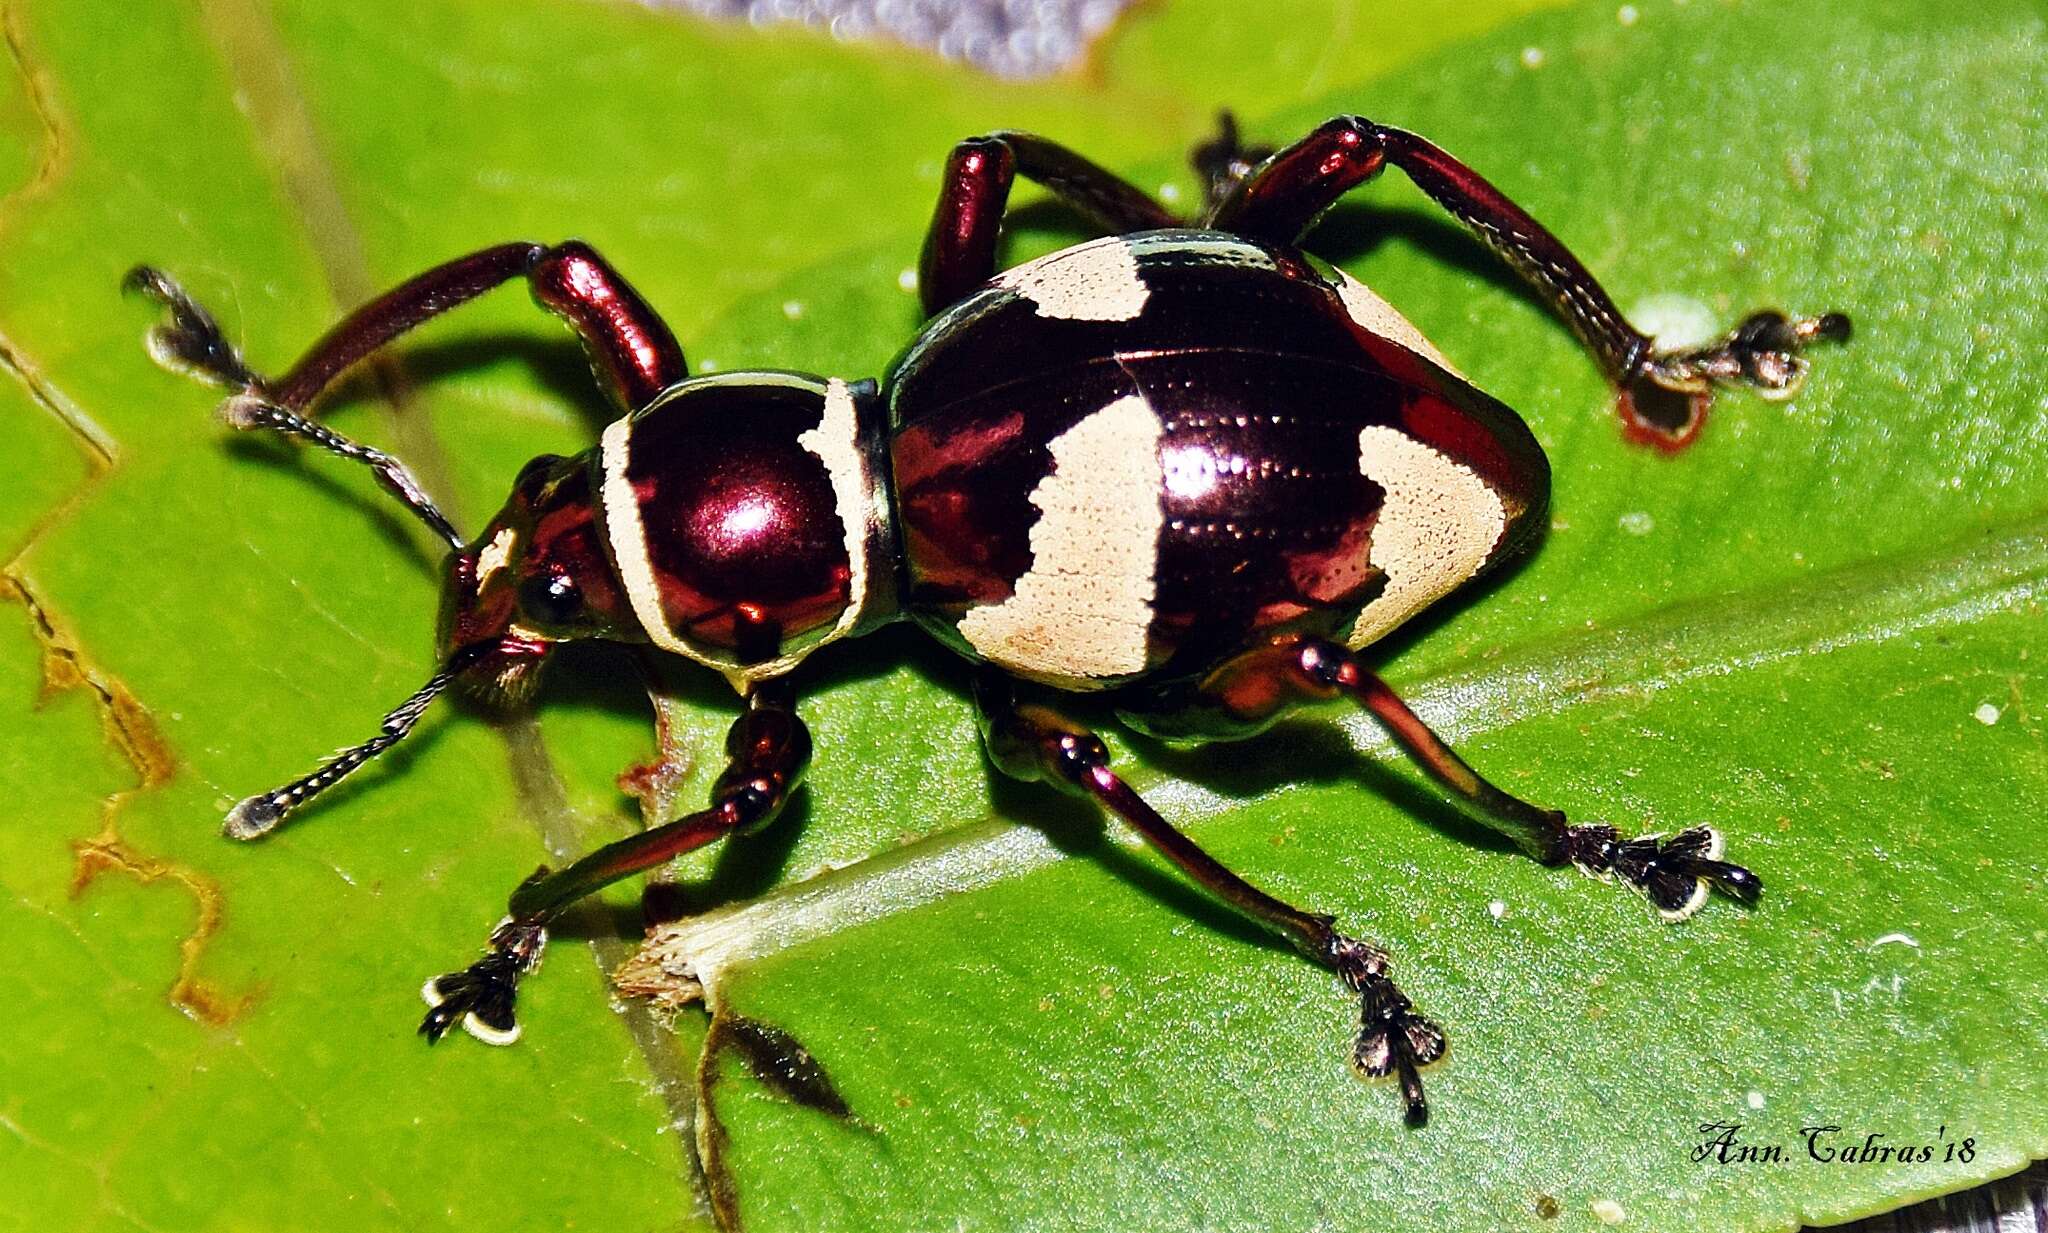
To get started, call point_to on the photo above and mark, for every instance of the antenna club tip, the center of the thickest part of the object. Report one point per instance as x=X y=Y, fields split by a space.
x=244 y=412
x=253 y=818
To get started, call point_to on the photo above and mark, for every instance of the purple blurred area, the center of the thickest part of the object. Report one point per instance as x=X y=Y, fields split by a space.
x=1009 y=38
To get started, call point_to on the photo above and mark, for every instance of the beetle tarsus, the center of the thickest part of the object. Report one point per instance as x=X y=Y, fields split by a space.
x=1392 y=1038
x=189 y=341
x=1668 y=396
x=1673 y=873
x=1224 y=160
x=481 y=996
x=1763 y=351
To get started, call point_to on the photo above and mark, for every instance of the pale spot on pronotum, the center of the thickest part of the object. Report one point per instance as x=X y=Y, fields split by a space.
x=836 y=443
x=1097 y=281
x=495 y=555
x=1365 y=306
x=1438 y=524
x=1084 y=608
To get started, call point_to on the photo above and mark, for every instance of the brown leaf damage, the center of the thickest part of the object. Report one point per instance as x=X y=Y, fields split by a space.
x=36 y=87
x=131 y=732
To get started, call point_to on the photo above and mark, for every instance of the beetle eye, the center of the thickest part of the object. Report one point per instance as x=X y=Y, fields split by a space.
x=551 y=598
x=534 y=472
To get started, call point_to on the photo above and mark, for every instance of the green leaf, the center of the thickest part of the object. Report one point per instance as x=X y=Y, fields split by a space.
x=1819 y=630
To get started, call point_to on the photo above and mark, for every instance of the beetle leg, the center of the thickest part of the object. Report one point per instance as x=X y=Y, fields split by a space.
x=1249 y=692
x=632 y=350
x=767 y=750
x=1028 y=742
x=974 y=191
x=1663 y=395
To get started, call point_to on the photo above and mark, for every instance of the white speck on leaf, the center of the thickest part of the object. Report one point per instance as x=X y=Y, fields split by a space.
x=1626 y=15
x=1675 y=321
x=1756 y=1099
x=1895 y=939
x=907 y=280
x=1609 y=1212
x=1987 y=714
x=792 y=309
x=1497 y=909
x=1532 y=57
x=1637 y=522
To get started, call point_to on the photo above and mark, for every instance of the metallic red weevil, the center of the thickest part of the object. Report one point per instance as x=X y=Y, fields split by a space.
x=1187 y=466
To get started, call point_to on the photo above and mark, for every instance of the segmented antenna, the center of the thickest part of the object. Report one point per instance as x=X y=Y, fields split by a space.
x=192 y=342
x=251 y=411
x=259 y=815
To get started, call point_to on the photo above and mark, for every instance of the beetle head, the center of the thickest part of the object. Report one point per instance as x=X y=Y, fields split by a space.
x=537 y=576
x=739 y=525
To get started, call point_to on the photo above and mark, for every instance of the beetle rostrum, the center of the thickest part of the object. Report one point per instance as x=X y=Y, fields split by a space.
x=1185 y=466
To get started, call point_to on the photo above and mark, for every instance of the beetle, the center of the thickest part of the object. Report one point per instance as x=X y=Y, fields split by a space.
x=1185 y=466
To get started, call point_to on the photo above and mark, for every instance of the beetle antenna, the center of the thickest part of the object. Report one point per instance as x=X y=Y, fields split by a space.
x=258 y=815
x=190 y=341
x=252 y=410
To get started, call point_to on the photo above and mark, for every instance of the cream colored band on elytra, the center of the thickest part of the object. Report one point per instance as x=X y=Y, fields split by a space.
x=628 y=536
x=1367 y=308
x=1096 y=281
x=1438 y=523
x=836 y=443
x=1083 y=611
